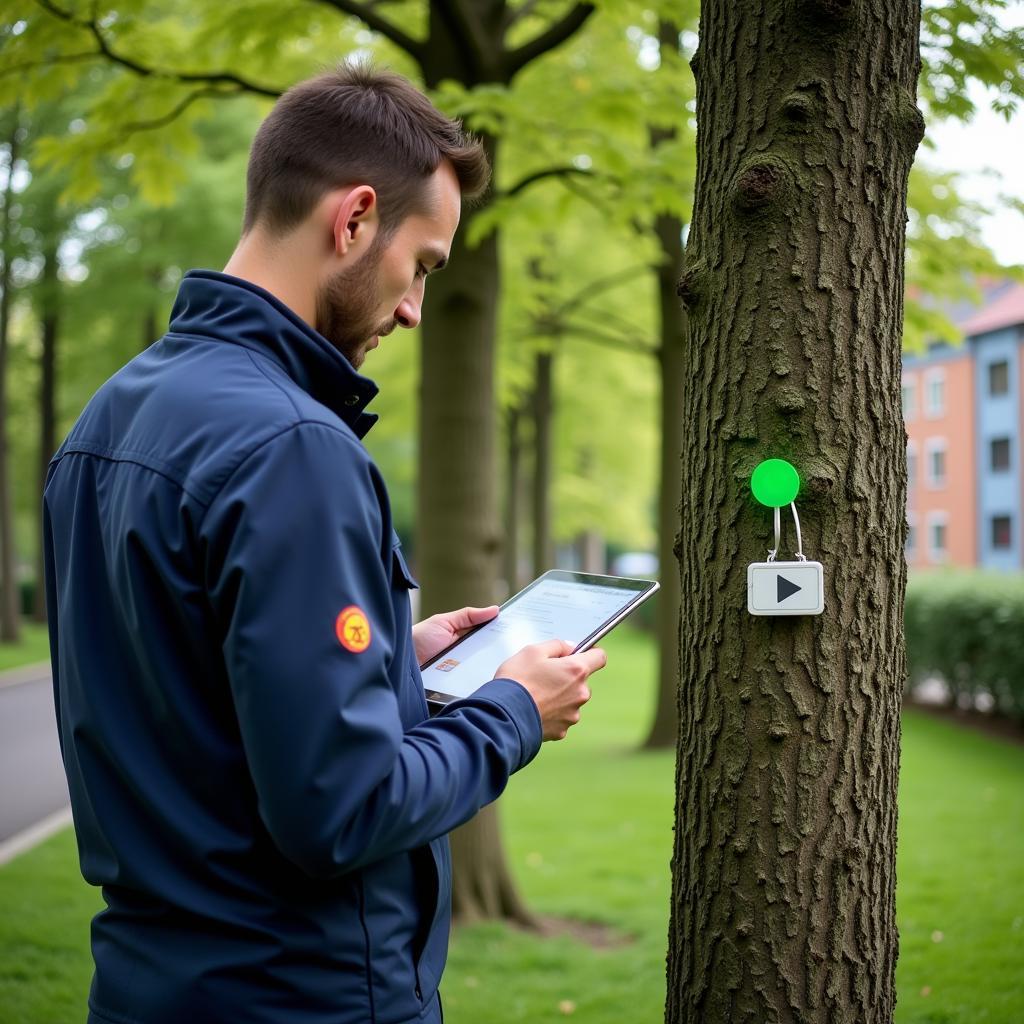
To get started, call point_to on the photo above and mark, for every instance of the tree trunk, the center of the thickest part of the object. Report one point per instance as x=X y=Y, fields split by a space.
x=50 y=320
x=9 y=605
x=543 y=403
x=513 y=468
x=457 y=528
x=664 y=728
x=482 y=885
x=672 y=323
x=591 y=550
x=458 y=538
x=783 y=898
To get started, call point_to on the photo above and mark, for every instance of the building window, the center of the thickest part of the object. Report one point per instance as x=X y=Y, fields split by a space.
x=999 y=454
x=999 y=378
x=909 y=393
x=911 y=548
x=935 y=463
x=938 y=540
x=1002 y=533
x=935 y=393
x=911 y=464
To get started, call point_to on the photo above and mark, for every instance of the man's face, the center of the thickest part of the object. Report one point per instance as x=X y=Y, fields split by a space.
x=384 y=288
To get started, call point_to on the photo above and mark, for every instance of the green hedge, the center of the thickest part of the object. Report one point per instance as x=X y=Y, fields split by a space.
x=967 y=627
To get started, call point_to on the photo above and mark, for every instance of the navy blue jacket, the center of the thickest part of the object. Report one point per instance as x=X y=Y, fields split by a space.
x=258 y=791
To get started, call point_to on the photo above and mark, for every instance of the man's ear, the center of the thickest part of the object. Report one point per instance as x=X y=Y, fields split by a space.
x=355 y=221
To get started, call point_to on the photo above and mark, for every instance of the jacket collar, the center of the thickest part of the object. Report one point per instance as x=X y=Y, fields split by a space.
x=217 y=305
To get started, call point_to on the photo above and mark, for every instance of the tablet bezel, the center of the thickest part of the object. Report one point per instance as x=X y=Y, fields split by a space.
x=436 y=700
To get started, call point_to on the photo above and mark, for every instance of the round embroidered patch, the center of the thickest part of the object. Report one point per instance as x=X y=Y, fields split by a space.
x=353 y=629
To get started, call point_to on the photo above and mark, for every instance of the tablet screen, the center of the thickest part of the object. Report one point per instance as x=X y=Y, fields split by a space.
x=559 y=605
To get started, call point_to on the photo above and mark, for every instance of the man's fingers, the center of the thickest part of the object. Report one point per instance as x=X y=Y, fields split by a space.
x=594 y=659
x=465 y=618
x=553 y=648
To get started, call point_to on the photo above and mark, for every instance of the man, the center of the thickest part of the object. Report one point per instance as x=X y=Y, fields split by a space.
x=255 y=781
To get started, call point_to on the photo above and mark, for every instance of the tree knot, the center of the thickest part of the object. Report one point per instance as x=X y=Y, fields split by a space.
x=761 y=181
x=834 y=11
x=691 y=283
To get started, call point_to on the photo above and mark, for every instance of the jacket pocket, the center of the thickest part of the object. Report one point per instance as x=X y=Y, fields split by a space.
x=400 y=574
x=430 y=959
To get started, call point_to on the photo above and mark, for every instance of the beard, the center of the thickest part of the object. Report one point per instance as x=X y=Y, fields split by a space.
x=347 y=307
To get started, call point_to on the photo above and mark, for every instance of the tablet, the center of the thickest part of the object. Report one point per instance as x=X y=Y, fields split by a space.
x=577 y=607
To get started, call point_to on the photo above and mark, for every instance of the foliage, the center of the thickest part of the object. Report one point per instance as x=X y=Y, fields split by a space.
x=964 y=41
x=946 y=257
x=961 y=869
x=148 y=159
x=967 y=627
x=575 y=166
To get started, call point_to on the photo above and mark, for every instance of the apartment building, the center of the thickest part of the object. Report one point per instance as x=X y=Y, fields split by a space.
x=995 y=337
x=963 y=411
x=938 y=401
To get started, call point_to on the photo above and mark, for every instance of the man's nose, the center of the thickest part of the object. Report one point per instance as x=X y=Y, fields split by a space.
x=408 y=312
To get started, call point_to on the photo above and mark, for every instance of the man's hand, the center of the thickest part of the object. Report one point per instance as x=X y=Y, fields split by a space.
x=556 y=679
x=433 y=635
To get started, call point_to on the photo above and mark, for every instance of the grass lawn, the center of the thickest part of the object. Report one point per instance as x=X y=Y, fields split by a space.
x=588 y=830
x=33 y=646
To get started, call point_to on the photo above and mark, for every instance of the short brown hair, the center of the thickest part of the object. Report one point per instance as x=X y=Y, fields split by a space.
x=355 y=125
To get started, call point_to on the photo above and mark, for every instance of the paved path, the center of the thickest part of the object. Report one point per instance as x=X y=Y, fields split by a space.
x=33 y=791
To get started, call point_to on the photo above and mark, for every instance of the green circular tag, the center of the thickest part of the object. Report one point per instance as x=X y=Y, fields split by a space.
x=775 y=483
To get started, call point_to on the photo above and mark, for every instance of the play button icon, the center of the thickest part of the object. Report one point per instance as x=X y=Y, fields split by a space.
x=786 y=589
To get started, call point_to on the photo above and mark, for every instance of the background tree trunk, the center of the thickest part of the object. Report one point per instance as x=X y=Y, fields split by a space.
x=672 y=325
x=458 y=542
x=664 y=727
x=783 y=900
x=457 y=532
x=543 y=406
x=483 y=886
x=590 y=549
x=9 y=604
x=49 y=316
x=513 y=469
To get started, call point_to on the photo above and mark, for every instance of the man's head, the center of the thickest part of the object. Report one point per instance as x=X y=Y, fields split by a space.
x=358 y=171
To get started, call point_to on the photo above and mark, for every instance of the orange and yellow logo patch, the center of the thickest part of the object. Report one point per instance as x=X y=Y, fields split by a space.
x=353 y=629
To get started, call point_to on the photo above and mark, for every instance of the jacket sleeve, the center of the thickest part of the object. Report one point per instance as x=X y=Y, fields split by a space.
x=294 y=537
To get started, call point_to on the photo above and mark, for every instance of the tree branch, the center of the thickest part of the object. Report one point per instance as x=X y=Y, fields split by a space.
x=60 y=58
x=601 y=285
x=159 y=122
x=549 y=172
x=468 y=29
x=104 y=50
x=582 y=193
x=599 y=337
x=549 y=39
x=365 y=13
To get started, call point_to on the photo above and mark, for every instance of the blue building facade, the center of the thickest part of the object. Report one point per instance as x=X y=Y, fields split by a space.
x=997 y=356
x=964 y=456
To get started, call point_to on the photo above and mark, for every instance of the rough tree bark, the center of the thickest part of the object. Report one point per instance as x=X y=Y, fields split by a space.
x=783 y=903
x=9 y=609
